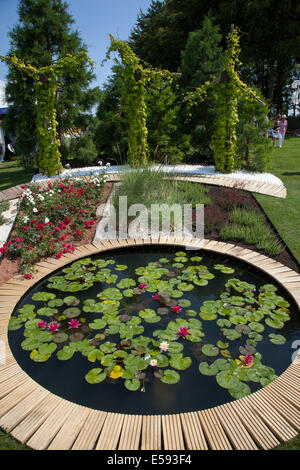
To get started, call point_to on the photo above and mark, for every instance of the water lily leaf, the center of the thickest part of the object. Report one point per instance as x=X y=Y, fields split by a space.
x=200 y=282
x=163 y=311
x=95 y=376
x=43 y=296
x=37 y=357
x=95 y=355
x=222 y=345
x=60 y=337
x=231 y=334
x=180 y=363
x=170 y=377
x=47 y=311
x=175 y=348
x=55 y=303
x=111 y=293
x=206 y=369
x=191 y=313
x=47 y=348
x=208 y=316
x=65 y=353
x=221 y=364
x=240 y=392
x=184 y=303
x=98 y=324
x=30 y=343
x=132 y=384
x=226 y=380
x=125 y=283
x=74 y=337
x=72 y=312
x=108 y=347
x=257 y=327
x=14 y=324
x=210 y=350
x=223 y=322
x=243 y=329
x=277 y=339
x=247 y=349
x=72 y=301
x=120 y=267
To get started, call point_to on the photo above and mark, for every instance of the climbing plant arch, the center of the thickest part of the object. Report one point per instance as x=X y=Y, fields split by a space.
x=47 y=80
x=226 y=91
x=136 y=79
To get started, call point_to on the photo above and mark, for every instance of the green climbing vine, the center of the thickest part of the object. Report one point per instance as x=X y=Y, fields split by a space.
x=226 y=91
x=47 y=79
x=136 y=79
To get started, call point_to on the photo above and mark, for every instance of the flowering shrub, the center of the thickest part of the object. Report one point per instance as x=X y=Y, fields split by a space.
x=49 y=219
x=234 y=198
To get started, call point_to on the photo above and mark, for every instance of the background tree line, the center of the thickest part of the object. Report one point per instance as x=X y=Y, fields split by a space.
x=188 y=37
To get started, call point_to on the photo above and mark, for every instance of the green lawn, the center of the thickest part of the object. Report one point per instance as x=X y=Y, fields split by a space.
x=284 y=213
x=12 y=174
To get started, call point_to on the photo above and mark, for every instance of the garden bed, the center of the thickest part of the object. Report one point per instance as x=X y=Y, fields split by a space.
x=216 y=195
x=11 y=266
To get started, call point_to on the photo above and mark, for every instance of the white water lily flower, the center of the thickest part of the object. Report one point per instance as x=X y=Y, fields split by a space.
x=153 y=362
x=164 y=346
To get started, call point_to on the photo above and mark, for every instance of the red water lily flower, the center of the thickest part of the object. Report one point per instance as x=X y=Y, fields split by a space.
x=142 y=285
x=176 y=308
x=155 y=296
x=54 y=327
x=183 y=332
x=42 y=324
x=74 y=323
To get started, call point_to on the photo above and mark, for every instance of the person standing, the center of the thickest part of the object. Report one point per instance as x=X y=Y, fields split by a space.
x=2 y=143
x=283 y=125
x=275 y=129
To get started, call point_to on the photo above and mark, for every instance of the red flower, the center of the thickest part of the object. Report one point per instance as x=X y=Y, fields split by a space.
x=155 y=296
x=54 y=327
x=176 y=309
x=183 y=332
x=41 y=324
x=74 y=323
x=142 y=286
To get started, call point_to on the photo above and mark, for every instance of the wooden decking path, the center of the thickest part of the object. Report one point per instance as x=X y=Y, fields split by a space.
x=217 y=180
x=43 y=420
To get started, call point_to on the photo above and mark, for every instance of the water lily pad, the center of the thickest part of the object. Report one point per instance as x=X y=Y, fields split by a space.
x=210 y=350
x=231 y=334
x=72 y=312
x=277 y=339
x=177 y=361
x=257 y=327
x=206 y=369
x=108 y=347
x=226 y=380
x=170 y=377
x=60 y=337
x=95 y=376
x=74 y=337
x=222 y=345
x=132 y=385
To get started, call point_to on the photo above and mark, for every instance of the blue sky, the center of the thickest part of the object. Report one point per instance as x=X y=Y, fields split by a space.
x=94 y=19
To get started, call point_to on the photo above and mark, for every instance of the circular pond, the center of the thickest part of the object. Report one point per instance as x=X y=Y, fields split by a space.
x=154 y=330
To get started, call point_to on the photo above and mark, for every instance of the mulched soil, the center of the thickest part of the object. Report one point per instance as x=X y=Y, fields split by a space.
x=217 y=195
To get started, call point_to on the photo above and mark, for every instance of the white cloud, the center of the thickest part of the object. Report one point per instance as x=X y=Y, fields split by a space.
x=3 y=102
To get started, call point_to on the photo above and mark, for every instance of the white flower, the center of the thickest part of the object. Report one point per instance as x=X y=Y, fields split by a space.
x=35 y=209
x=100 y=162
x=41 y=198
x=153 y=362
x=25 y=219
x=164 y=346
x=46 y=220
x=107 y=164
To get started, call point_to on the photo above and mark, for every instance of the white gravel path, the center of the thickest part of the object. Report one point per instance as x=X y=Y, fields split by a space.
x=178 y=169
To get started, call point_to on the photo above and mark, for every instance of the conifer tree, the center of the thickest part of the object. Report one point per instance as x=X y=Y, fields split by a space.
x=43 y=34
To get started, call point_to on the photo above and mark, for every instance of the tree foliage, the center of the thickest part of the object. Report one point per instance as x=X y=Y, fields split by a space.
x=44 y=34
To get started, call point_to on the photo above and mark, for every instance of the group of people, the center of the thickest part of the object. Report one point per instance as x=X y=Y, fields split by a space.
x=278 y=130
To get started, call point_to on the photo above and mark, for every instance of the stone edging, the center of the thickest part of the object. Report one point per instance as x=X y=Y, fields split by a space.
x=45 y=421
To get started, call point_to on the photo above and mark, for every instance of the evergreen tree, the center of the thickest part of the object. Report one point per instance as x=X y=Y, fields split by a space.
x=44 y=34
x=202 y=60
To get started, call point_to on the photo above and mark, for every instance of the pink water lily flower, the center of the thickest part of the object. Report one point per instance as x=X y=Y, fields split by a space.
x=176 y=308
x=142 y=285
x=248 y=359
x=74 y=323
x=54 y=326
x=42 y=324
x=155 y=296
x=183 y=332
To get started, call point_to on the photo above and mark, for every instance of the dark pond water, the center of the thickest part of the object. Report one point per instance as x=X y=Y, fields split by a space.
x=194 y=391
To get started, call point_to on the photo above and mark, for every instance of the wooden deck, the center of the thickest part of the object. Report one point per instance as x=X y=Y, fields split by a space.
x=217 y=180
x=43 y=420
